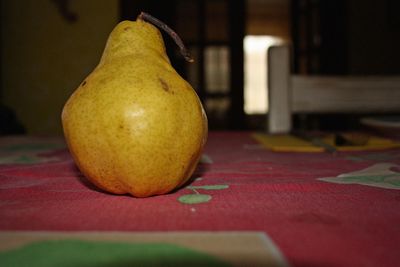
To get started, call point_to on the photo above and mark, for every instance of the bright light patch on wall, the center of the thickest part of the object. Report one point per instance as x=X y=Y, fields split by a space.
x=255 y=71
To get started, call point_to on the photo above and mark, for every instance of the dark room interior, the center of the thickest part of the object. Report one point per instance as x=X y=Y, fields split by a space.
x=325 y=37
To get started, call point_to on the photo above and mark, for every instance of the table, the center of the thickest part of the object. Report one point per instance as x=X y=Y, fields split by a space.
x=245 y=206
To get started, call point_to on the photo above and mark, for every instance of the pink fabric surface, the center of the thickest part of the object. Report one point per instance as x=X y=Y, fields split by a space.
x=314 y=222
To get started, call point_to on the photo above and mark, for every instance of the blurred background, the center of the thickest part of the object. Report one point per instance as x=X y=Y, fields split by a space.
x=49 y=46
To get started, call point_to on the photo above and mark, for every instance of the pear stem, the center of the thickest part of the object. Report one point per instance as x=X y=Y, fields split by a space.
x=185 y=53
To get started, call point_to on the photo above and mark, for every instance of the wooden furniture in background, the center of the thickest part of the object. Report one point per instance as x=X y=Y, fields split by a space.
x=290 y=94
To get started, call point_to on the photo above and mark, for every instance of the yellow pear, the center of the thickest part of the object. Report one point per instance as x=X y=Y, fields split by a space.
x=134 y=125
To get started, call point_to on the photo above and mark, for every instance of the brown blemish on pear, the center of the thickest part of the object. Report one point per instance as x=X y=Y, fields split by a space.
x=164 y=84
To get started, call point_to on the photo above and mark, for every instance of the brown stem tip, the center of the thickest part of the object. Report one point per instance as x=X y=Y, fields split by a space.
x=149 y=18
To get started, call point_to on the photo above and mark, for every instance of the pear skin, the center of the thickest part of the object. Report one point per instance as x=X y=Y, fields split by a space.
x=134 y=125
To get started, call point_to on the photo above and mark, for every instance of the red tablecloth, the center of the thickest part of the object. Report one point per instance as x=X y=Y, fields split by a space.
x=319 y=209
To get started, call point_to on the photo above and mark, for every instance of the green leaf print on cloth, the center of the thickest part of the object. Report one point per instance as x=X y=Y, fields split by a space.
x=384 y=175
x=63 y=253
